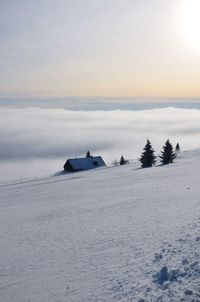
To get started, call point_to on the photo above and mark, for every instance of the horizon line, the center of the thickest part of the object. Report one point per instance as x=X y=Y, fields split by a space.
x=101 y=97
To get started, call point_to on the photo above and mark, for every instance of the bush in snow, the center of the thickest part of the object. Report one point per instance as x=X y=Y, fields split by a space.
x=115 y=162
x=148 y=158
x=167 y=155
x=177 y=149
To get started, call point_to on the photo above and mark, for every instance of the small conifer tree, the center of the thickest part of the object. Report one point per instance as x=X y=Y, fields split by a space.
x=88 y=154
x=177 y=149
x=122 y=161
x=167 y=155
x=148 y=158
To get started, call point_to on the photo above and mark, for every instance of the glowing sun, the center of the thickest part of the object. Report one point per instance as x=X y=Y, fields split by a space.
x=190 y=22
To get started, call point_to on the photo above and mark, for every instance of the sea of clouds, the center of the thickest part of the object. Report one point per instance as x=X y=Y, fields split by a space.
x=37 y=141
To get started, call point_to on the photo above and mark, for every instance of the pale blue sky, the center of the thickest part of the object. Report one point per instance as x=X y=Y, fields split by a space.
x=95 y=47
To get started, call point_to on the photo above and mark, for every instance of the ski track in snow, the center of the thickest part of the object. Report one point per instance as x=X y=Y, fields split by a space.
x=119 y=234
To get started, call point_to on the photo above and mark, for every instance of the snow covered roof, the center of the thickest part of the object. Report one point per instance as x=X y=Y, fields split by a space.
x=86 y=163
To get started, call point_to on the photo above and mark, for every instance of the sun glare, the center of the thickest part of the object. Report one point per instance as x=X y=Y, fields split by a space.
x=190 y=23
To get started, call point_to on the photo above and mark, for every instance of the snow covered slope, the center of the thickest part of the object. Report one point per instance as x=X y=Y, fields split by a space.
x=113 y=234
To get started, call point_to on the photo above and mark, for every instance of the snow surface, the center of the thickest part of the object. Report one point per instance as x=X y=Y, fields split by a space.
x=113 y=234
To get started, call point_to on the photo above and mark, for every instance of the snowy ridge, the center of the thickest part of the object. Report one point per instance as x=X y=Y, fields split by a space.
x=113 y=234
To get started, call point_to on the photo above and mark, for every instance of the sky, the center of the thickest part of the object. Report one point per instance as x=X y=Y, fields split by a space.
x=99 y=48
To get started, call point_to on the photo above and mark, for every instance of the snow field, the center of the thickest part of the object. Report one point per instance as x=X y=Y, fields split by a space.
x=113 y=234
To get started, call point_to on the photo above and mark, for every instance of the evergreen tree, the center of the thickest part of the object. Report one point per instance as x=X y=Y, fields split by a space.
x=148 y=158
x=167 y=155
x=88 y=154
x=122 y=161
x=177 y=149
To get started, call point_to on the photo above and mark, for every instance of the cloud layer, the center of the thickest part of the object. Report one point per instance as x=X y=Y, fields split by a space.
x=55 y=134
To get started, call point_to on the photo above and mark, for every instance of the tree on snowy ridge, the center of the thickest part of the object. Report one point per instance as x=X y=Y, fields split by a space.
x=167 y=155
x=148 y=158
x=177 y=149
x=122 y=161
x=88 y=154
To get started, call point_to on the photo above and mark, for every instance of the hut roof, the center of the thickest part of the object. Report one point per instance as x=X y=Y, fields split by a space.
x=86 y=163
